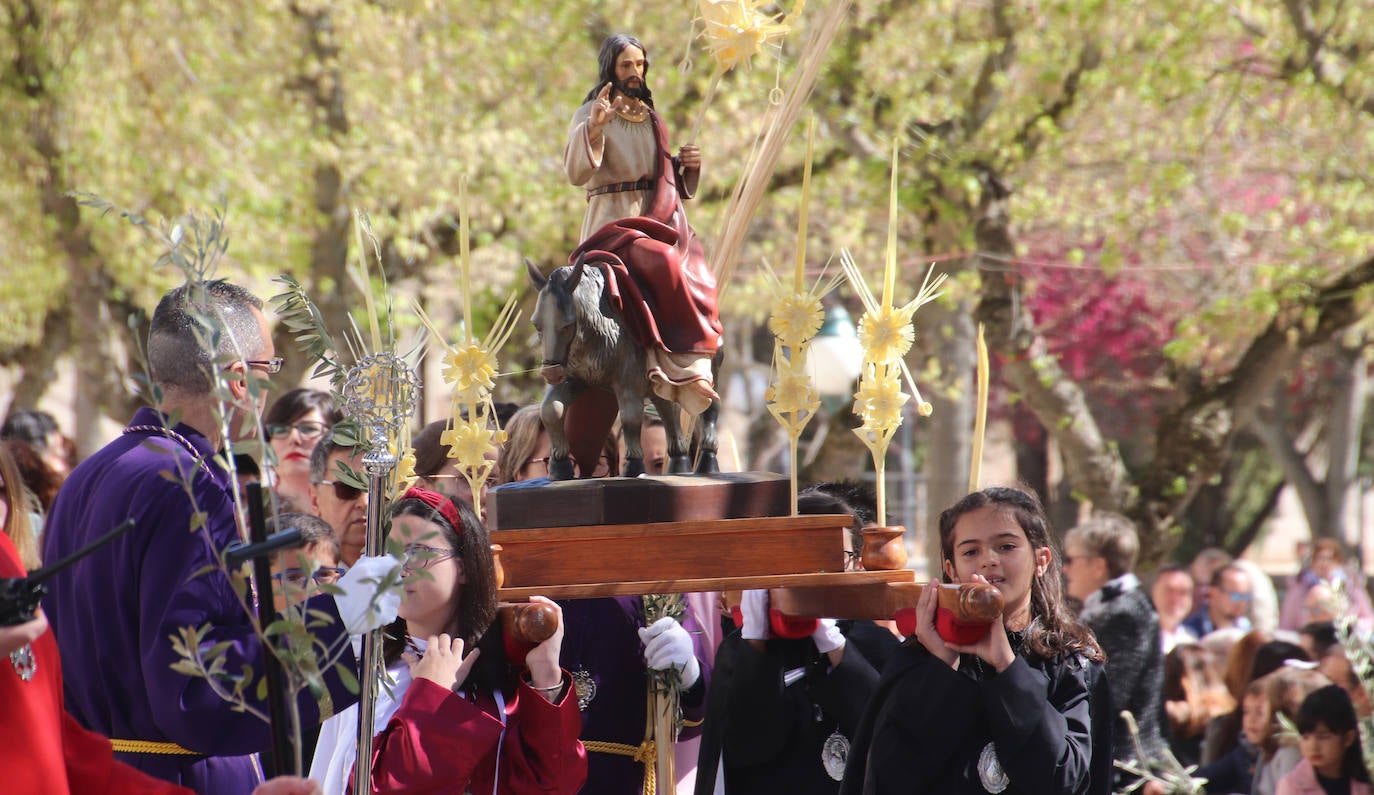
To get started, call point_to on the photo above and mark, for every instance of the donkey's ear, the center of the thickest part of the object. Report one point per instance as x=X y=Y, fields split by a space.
x=536 y=278
x=577 y=271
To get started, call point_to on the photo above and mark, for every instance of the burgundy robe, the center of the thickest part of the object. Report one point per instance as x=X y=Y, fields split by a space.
x=440 y=742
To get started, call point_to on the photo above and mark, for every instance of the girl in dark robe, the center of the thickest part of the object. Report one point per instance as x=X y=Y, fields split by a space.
x=1021 y=709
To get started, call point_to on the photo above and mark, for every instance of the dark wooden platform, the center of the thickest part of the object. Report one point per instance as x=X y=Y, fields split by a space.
x=646 y=500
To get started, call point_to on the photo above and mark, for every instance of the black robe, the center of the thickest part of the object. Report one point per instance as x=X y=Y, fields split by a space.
x=928 y=724
x=768 y=735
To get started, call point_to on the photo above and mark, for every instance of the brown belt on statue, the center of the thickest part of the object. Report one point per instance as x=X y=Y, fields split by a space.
x=621 y=187
x=150 y=747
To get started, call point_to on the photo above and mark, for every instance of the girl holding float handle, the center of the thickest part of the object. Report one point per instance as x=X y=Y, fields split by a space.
x=1024 y=708
x=459 y=716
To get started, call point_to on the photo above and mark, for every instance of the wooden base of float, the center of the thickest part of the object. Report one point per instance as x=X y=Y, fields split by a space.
x=571 y=540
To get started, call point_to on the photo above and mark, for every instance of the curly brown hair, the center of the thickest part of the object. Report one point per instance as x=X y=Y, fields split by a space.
x=1053 y=630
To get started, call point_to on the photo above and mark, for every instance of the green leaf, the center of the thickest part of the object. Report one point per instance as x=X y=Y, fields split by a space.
x=346 y=677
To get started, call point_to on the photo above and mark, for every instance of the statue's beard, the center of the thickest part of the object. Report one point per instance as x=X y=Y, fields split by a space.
x=638 y=90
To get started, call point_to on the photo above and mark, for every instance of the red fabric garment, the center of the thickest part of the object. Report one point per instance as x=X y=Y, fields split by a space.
x=440 y=742
x=43 y=750
x=656 y=269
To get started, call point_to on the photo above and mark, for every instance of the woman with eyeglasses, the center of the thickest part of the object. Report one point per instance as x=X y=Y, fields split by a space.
x=436 y=471
x=525 y=454
x=457 y=715
x=293 y=425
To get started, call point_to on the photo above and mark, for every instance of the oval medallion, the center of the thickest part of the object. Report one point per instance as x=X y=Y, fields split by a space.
x=833 y=755
x=585 y=686
x=990 y=772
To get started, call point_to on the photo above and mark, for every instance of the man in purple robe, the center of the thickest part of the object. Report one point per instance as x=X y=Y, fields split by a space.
x=115 y=612
x=609 y=654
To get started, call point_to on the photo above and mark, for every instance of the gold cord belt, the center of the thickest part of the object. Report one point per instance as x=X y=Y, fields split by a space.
x=645 y=753
x=150 y=747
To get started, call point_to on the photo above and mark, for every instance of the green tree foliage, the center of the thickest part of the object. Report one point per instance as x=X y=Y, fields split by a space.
x=1223 y=161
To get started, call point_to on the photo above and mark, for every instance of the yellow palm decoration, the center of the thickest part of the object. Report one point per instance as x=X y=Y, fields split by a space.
x=470 y=370
x=735 y=32
x=886 y=334
x=796 y=316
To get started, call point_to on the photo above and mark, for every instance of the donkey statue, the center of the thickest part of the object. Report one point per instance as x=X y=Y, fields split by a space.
x=587 y=346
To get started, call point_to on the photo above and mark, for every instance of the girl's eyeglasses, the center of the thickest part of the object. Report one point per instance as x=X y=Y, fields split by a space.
x=419 y=556
x=325 y=575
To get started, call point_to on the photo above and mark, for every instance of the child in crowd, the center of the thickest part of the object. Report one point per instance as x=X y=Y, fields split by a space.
x=1331 y=760
x=457 y=716
x=296 y=572
x=1234 y=773
x=1285 y=689
x=1022 y=709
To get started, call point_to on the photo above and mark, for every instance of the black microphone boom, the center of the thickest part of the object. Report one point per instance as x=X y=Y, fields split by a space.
x=19 y=596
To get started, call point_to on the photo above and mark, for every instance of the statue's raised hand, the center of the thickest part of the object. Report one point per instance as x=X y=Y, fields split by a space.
x=603 y=107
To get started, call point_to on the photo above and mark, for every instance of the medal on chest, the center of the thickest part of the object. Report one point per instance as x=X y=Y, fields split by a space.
x=585 y=686
x=25 y=665
x=834 y=753
x=990 y=773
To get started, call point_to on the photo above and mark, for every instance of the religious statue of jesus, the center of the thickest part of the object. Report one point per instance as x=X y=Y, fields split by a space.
x=618 y=153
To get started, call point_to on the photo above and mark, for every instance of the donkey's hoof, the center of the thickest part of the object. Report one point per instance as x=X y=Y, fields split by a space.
x=679 y=465
x=561 y=469
x=634 y=467
x=708 y=465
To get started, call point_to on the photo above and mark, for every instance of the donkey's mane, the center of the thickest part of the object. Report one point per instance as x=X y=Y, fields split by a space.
x=598 y=324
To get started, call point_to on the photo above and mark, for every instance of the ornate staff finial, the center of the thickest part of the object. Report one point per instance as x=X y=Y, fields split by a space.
x=379 y=393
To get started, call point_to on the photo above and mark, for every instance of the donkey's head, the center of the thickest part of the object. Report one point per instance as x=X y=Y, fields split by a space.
x=555 y=316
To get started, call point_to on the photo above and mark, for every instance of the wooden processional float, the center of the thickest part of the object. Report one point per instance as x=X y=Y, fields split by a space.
x=602 y=537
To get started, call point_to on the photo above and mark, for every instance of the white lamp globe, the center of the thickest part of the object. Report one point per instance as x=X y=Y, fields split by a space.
x=835 y=358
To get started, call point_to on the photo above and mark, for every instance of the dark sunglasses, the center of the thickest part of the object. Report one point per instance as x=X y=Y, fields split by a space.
x=342 y=491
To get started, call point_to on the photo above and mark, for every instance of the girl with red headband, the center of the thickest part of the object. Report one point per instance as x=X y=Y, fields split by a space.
x=457 y=715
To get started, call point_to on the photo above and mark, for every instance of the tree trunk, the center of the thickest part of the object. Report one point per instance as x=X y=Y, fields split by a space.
x=88 y=321
x=1346 y=416
x=949 y=335
x=1091 y=464
x=843 y=455
x=328 y=282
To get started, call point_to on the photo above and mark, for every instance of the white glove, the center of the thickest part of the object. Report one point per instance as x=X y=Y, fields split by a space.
x=667 y=645
x=827 y=636
x=754 y=607
x=364 y=605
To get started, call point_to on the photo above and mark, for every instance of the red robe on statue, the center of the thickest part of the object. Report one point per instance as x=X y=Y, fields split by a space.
x=43 y=750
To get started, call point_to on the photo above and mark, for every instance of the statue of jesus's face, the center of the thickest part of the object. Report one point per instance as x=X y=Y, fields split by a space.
x=630 y=66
